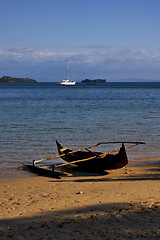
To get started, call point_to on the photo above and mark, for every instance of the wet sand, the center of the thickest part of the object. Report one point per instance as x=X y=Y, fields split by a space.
x=124 y=204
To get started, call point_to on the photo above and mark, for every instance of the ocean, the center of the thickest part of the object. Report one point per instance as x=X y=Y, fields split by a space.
x=34 y=115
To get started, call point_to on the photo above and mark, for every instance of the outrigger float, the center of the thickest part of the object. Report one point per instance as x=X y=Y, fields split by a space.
x=84 y=159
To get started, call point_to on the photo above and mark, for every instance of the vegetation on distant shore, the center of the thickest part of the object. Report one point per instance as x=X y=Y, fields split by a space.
x=13 y=79
x=94 y=81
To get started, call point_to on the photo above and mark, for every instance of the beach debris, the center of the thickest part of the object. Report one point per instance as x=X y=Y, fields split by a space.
x=80 y=192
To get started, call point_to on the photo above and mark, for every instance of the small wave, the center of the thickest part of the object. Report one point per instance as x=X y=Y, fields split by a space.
x=144 y=161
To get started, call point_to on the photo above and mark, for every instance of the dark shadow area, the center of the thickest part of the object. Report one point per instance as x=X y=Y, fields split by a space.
x=153 y=169
x=103 y=221
x=78 y=172
x=152 y=173
x=127 y=175
x=60 y=172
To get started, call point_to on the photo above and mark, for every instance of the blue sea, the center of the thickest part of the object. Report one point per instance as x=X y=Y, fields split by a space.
x=34 y=115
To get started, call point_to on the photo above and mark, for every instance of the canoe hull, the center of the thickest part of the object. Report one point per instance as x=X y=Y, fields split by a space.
x=109 y=162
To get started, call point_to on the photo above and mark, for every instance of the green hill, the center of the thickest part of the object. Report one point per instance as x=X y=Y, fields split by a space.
x=13 y=79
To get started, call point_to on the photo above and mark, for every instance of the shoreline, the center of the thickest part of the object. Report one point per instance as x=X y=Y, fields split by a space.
x=123 y=204
x=16 y=173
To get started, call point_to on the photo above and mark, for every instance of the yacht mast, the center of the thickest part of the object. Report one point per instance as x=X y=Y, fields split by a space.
x=67 y=69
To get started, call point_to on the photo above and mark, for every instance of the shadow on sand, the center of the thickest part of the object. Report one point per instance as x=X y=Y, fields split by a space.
x=151 y=173
x=103 y=221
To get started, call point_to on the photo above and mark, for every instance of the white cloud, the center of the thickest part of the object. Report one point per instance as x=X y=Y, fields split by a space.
x=101 y=59
x=32 y=54
x=96 y=56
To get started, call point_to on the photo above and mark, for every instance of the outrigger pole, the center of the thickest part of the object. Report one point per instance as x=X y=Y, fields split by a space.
x=86 y=148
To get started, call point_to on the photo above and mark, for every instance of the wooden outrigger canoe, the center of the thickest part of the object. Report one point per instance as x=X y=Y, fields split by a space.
x=94 y=161
x=85 y=159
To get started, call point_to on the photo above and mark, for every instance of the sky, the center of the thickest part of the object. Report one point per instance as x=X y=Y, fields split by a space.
x=108 y=39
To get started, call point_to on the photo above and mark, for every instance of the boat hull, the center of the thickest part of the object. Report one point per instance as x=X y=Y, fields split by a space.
x=96 y=163
x=68 y=84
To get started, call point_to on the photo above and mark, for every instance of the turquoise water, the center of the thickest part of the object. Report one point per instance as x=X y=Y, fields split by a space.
x=34 y=115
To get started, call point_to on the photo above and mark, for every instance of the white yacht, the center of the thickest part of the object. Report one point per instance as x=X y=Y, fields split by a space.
x=67 y=82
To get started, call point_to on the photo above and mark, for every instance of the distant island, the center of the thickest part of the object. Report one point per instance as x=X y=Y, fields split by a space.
x=140 y=80
x=13 y=79
x=94 y=81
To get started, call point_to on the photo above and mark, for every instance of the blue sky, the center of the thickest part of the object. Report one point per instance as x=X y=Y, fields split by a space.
x=111 y=39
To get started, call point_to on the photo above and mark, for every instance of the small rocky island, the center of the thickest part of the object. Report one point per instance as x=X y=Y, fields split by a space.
x=13 y=79
x=89 y=81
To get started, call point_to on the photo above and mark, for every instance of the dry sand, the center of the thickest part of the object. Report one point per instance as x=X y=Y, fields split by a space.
x=124 y=204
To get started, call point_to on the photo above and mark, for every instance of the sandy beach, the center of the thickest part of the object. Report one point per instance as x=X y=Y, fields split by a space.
x=123 y=204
